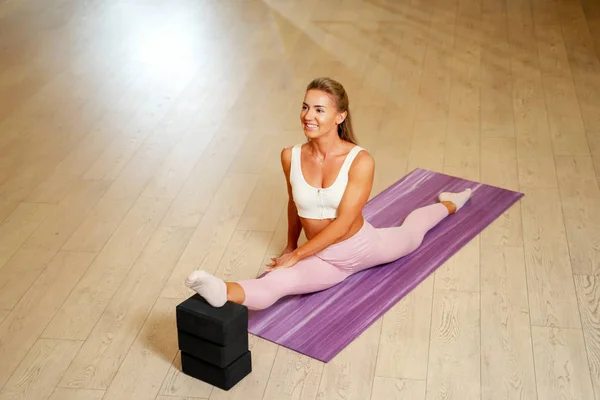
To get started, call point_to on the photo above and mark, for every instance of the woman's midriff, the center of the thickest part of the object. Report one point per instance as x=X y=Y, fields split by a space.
x=312 y=227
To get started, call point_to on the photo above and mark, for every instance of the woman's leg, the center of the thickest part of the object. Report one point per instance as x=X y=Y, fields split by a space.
x=307 y=276
x=333 y=265
x=399 y=241
x=396 y=242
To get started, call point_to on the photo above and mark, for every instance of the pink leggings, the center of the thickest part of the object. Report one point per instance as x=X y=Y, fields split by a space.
x=369 y=247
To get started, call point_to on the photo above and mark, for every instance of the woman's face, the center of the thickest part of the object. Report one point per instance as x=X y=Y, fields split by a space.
x=319 y=115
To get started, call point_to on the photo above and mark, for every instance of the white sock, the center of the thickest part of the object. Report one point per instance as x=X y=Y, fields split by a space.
x=208 y=286
x=458 y=199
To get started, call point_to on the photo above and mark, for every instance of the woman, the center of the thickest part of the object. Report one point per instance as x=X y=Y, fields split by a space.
x=329 y=180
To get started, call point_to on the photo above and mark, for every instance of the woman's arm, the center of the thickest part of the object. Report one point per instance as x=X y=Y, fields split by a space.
x=294 y=225
x=356 y=195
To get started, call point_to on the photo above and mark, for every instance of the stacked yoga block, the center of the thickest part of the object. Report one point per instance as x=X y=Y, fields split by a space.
x=213 y=342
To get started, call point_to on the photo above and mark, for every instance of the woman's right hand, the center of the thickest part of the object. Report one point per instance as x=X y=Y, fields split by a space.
x=288 y=249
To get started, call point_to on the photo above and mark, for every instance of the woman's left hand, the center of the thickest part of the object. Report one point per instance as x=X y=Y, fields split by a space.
x=284 y=261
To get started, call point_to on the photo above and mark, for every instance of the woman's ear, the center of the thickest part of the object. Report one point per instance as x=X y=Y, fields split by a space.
x=341 y=117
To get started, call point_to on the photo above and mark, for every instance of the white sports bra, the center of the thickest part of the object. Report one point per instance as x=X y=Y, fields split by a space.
x=318 y=203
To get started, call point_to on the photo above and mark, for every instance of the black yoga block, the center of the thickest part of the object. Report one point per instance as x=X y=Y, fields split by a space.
x=221 y=325
x=210 y=352
x=223 y=378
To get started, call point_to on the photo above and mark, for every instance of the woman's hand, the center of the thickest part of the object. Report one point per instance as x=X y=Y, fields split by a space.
x=285 y=260
x=287 y=250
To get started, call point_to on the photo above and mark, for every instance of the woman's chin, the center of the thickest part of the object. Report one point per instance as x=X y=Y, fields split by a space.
x=311 y=134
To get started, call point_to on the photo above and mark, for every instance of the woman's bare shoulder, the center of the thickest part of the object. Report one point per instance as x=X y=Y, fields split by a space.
x=363 y=162
x=286 y=157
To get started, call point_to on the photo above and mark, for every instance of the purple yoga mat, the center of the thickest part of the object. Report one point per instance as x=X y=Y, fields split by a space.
x=322 y=324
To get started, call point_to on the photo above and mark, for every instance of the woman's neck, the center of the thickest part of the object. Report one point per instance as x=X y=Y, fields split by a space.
x=324 y=146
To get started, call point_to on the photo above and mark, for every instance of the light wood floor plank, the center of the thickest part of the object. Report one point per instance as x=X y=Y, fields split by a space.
x=588 y=293
x=146 y=364
x=454 y=352
x=125 y=314
x=48 y=118
x=407 y=71
x=18 y=111
x=461 y=270
x=37 y=78
x=368 y=121
x=244 y=255
x=171 y=176
x=580 y=197
x=590 y=14
x=14 y=195
x=507 y=370
x=496 y=89
x=213 y=233
x=427 y=147
x=262 y=210
x=110 y=164
x=534 y=142
x=76 y=394
x=499 y=168
x=112 y=120
x=434 y=91
x=178 y=398
x=390 y=166
x=596 y=160
x=465 y=90
x=350 y=374
x=81 y=311
x=294 y=376
x=279 y=238
x=115 y=118
x=19 y=226
x=71 y=130
x=257 y=152
x=199 y=131
x=41 y=369
x=377 y=79
x=22 y=327
x=404 y=343
x=96 y=230
x=585 y=68
x=101 y=222
x=163 y=130
x=461 y=156
x=560 y=364
x=552 y=298
x=204 y=181
x=537 y=172
x=19 y=273
x=398 y=389
x=68 y=171
x=566 y=124
x=39 y=164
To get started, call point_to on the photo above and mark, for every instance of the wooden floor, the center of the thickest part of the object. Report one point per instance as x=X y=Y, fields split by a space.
x=140 y=139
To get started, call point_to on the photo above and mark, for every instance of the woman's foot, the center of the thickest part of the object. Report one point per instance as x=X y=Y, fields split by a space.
x=458 y=200
x=208 y=286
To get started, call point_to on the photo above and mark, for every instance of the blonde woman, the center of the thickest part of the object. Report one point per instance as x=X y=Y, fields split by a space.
x=329 y=180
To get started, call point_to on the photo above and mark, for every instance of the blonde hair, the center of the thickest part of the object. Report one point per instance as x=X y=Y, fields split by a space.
x=337 y=91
